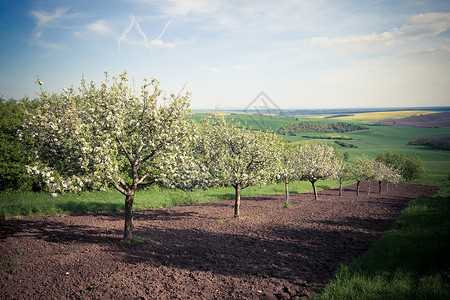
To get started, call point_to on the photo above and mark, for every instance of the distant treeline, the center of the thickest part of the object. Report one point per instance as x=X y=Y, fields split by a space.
x=436 y=143
x=293 y=129
x=345 y=144
x=321 y=137
x=337 y=116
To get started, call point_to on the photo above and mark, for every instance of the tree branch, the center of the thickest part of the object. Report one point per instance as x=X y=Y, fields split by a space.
x=146 y=158
x=118 y=187
x=125 y=150
x=147 y=182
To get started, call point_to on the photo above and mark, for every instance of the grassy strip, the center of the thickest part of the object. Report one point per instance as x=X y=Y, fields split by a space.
x=411 y=261
x=28 y=204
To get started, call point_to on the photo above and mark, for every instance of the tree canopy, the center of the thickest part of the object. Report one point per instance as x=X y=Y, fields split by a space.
x=13 y=175
x=409 y=167
x=239 y=157
x=290 y=166
x=317 y=163
x=107 y=135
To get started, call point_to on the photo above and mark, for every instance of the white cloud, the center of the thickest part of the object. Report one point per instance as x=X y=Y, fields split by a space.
x=160 y=43
x=423 y=25
x=135 y=24
x=419 y=27
x=96 y=30
x=424 y=51
x=212 y=69
x=44 y=18
x=99 y=28
x=243 y=67
x=185 y=7
x=144 y=41
x=47 y=20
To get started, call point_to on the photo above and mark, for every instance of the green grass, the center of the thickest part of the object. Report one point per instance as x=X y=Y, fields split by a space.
x=411 y=261
x=261 y=122
x=28 y=204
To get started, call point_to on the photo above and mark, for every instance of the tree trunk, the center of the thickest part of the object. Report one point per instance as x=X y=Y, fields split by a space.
x=286 y=189
x=237 y=203
x=357 y=188
x=314 y=189
x=128 y=232
x=368 y=193
x=379 y=187
x=340 y=187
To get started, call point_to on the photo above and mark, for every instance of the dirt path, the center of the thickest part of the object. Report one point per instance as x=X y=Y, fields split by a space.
x=197 y=251
x=365 y=143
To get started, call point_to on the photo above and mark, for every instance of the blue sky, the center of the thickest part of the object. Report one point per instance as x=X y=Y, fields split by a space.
x=302 y=54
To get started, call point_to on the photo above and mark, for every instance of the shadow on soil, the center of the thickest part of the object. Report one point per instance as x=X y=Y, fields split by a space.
x=300 y=255
x=307 y=252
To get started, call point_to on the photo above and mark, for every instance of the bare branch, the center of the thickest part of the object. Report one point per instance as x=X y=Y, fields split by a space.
x=147 y=182
x=118 y=187
x=125 y=150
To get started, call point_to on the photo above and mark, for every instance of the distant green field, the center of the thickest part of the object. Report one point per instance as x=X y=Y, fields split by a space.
x=369 y=142
x=386 y=138
x=261 y=122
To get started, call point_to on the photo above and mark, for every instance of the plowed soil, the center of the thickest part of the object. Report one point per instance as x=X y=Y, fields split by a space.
x=435 y=120
x=198 y=251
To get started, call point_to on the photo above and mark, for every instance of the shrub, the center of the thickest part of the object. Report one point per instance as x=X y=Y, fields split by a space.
x=413 y=168
x=409 y=167
x=319 y=127
x=13 y=155
x=345 y=144
x=436 y=143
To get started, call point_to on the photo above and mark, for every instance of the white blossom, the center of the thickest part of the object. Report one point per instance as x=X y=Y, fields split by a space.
x=317 y=163
x=107 y=135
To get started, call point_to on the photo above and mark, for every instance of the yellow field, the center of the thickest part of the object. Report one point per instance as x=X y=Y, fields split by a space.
x=383 y=115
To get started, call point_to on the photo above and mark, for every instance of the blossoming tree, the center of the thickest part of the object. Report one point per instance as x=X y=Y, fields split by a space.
x=385 y=174
x=317 y=163
x=107 y=135
x=239 y=157
x=342 y=168
x=290 y=167
x=363 y=169
x=366 y=169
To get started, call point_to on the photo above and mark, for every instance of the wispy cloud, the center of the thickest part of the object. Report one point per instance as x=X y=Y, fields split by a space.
x=426 y=51
x=135 y=24
x=52 y=46
x=243 y=67
x=95 y=30
x=419 y=27
x=212 y=69
x=185 y=7
x=144 y=41
x=100 y=28
x=46 y=20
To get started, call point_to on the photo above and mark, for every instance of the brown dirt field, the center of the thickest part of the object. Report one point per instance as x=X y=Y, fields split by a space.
x=198 y=251
x=441 y=120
